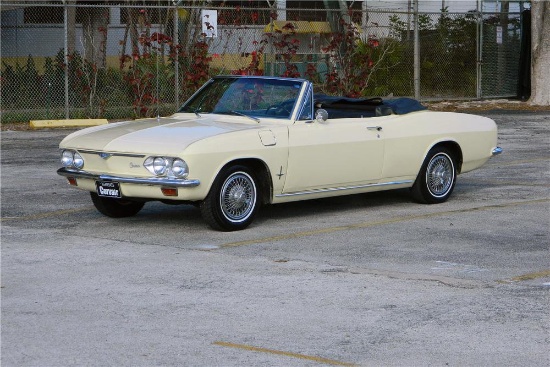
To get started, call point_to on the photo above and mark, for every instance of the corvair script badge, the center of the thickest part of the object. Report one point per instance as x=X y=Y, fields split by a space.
x=108 y=192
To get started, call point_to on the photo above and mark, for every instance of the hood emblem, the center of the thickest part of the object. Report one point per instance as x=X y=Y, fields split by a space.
x=105 y=155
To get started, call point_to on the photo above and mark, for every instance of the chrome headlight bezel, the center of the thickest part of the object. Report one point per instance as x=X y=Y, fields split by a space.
x=78 y=161
x=171 y=167
x=180 y=169
x=67 y=158
x=160 y=166
x=71 y=159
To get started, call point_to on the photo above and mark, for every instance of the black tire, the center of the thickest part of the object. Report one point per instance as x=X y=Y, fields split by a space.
x=437 y=177
x=116 y=208
x=233 y=200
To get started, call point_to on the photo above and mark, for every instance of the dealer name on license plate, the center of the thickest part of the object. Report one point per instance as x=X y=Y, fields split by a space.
x=108 y=189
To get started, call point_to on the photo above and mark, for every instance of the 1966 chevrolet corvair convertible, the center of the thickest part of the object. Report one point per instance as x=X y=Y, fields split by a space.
x=240 y=142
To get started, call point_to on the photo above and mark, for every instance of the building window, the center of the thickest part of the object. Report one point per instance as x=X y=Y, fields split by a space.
x=242 y=12
x=43 y=15
x=314 y=11
x=146 y=15
x=55 y=14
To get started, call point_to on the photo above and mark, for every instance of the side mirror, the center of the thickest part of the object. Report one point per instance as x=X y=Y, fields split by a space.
x=321 y=115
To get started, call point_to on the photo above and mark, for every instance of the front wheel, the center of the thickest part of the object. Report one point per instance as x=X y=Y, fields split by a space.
x=232 y=201
x=116 y=208
x=437 y=177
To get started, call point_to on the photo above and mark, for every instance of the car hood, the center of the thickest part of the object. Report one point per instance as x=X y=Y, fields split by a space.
x=166 y=135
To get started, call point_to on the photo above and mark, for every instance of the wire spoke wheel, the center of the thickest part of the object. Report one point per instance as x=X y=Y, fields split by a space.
x=238 y=197
x=437 y=176
x=440 y=175
x=233 y=200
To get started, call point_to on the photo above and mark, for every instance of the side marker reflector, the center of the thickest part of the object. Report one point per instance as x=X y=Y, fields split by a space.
x=169 y=191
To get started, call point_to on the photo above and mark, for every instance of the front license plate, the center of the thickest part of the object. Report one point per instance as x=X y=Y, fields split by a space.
x=108 y=189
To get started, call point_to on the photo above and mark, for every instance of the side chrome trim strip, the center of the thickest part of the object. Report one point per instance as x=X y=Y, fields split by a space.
x=149 y=181
x=97 y=152
x=331 y=189
x=496 y=151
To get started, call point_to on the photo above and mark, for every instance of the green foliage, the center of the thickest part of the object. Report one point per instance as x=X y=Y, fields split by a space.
x=28 y=95
x=393 y=72
x=54 y=81
x=448 y=53
x=10 y=86
x=353 y=64
x=448 y=64
x=19 y=86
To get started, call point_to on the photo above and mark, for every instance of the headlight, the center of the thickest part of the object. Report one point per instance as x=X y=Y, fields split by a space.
x=167 y=166
x=156 y=165
x=159 y=166
x=179 y=168
x=78 y=161
x=67 y=158
x=72 y=159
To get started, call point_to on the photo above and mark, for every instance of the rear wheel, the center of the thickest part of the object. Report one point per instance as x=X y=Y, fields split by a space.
x=437 y=177
x=232 y=201
x=116 y=208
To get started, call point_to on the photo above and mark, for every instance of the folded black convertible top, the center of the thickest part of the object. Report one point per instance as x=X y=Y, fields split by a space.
x=341 y=107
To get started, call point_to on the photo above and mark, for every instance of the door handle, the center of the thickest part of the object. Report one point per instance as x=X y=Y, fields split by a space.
x=374 y=128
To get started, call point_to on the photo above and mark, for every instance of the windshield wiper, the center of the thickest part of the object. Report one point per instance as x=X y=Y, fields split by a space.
x=196 y=111
x=191 y=109
x=244 y=115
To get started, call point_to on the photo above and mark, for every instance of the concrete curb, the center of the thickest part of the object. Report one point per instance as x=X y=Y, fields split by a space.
x=45 y=124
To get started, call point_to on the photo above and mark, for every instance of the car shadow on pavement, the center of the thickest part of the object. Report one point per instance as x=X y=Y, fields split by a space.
x=335 y=204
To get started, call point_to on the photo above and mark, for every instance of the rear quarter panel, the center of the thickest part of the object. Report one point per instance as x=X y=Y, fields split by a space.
x=410 y=137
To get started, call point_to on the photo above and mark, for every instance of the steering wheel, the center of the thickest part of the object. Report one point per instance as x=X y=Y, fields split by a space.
x=281 y=109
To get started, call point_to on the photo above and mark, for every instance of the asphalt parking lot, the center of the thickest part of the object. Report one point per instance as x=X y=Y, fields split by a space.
x=365 y=280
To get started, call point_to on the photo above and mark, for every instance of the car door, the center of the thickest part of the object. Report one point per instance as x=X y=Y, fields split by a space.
x=333 y=154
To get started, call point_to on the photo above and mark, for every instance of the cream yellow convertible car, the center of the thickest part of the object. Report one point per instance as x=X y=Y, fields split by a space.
x=240 y=142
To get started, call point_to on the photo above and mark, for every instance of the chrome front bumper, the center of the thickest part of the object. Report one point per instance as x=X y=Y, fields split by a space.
x=149 y=181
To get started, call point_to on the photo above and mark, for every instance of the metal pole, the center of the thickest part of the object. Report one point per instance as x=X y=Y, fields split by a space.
x=364 y=19
x=66 y=58
x=416 y=53
x=281 y=9
x=177 y=61
x=479 y=37
x=409 y=6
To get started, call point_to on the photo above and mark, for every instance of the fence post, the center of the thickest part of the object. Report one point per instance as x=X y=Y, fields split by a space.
x=479 y=38
x=416 y=52
x=66 y=56
x=177 y=59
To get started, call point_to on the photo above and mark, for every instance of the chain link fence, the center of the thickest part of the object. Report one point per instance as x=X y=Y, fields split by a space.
x=121 y=60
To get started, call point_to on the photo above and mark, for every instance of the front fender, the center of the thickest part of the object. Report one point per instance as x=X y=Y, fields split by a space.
x=206 y=158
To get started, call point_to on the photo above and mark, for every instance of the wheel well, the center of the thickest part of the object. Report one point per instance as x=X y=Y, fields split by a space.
x=262 y=173
x=455 y=150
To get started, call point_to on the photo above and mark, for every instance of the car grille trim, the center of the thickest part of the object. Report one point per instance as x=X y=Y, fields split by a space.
x=109 y=154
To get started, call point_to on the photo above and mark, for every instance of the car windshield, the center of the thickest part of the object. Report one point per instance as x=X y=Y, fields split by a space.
x=248 y=96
